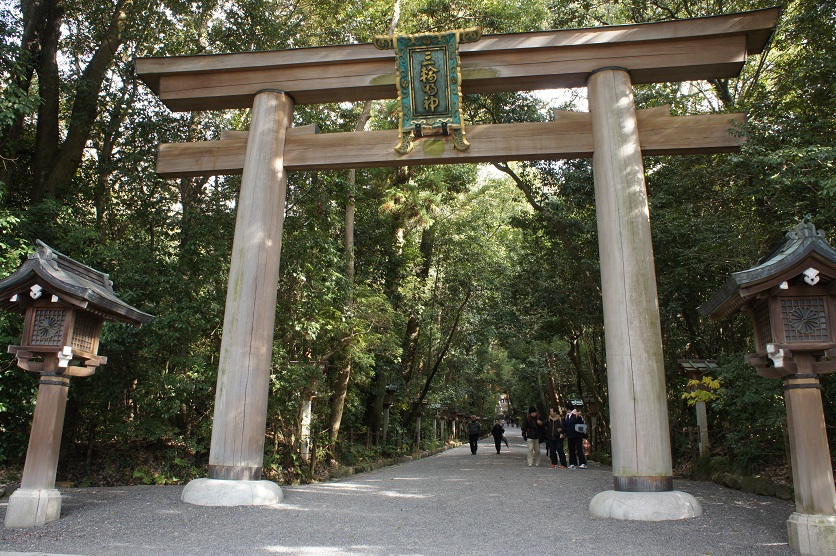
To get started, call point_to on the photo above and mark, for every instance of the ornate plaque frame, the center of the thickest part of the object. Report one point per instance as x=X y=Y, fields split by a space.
x=429 y=84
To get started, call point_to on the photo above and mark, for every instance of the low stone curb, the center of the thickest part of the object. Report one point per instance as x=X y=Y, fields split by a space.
x=339 y=472
x=763 y=486
x=342 y=472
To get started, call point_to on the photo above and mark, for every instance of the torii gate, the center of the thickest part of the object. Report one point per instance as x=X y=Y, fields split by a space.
x=606 y=60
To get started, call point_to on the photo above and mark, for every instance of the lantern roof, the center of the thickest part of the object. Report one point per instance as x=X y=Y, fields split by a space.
x=801 y=247
x=69 y=280
x=697 y=365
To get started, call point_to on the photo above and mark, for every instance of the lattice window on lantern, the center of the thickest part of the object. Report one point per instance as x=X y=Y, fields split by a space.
x=84 y=331
x=764 y=326
x=47 y=327
x=804 y=319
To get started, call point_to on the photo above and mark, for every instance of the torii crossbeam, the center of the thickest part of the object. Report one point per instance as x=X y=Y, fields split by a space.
x=606 y=60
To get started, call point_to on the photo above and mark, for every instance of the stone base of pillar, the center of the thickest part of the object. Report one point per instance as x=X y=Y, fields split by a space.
x=812 y=534
x=33 y=507
x=220 y=492
x=644 y=506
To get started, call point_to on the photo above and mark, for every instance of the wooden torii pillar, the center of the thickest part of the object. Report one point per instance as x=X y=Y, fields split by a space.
x=607 y=60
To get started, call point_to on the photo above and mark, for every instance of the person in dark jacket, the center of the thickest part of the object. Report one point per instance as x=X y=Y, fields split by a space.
x=498 y=432
x=554 y=438
x=474 y=430
x=531 y=428
x=575 y=436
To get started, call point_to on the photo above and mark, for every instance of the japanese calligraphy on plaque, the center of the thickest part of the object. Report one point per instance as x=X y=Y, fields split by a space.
x=429 y=84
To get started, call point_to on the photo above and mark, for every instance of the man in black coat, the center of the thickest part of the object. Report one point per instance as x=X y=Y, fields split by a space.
x=532 y=432
x=474 y=430
x=575 y=436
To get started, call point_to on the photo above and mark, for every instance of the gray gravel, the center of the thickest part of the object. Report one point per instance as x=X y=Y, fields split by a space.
x=451 y=503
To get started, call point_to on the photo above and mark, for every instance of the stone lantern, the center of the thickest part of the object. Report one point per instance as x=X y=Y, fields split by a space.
x=454 y=423
x=65 y=304
x=388 y=402
x=461 y=418
x=694 y=369
x=420 y=407
x=443 y=417
x=591 y=407
x=436 y=411
x=791 y=298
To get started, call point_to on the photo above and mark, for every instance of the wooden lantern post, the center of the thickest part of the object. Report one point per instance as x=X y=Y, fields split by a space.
x=65 y=304
x=791 y=298
x=694 y=369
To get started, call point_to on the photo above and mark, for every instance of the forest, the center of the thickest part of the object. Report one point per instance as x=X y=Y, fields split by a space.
x=448 y=285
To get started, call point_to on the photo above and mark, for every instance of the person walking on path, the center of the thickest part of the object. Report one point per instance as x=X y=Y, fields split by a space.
x=554 y=438
x=532 y=432
x=575 y=435
x=498 y=432
x=474 y=430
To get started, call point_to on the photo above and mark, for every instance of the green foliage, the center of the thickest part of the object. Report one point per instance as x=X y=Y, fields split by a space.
x=705 y=468
x=18 y=389
x=747 y=416
x=159 y=477
x=703 y=390
x=792 y=150
x=15 y=99
x=357 y=453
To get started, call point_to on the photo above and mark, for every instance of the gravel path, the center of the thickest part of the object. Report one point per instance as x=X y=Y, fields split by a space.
x=452 y=503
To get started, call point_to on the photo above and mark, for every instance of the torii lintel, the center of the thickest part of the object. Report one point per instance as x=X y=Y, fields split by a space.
x=668 y=51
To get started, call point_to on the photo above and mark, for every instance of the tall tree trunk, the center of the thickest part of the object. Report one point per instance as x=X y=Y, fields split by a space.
x=413 y=410
x=584 y=377
x=34 y=28
x=343 y=374
x=374 y=405
x=105 y=165
x=54 y=166
x=409 y=352
x=47 y=132
x=554 y=396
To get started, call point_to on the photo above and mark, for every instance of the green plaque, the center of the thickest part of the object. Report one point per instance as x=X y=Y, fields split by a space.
x=429 y=84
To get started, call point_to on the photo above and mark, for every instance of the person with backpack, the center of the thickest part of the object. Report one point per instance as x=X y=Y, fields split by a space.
x=575 y=436
x=532 y=432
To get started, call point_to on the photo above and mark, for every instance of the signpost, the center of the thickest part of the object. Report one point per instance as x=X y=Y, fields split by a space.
x=429 y=85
